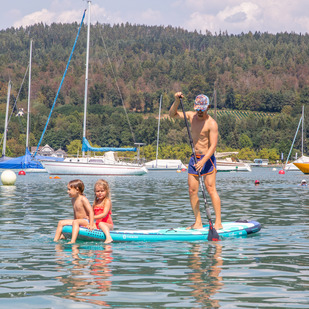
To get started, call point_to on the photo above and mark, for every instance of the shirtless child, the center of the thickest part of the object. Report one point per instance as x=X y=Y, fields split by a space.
x=83 y=212
x=205 y=137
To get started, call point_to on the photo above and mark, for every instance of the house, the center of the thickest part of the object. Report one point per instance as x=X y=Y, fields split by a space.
x=48 y=151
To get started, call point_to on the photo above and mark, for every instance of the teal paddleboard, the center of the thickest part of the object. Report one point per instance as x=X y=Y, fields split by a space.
x=230 y=229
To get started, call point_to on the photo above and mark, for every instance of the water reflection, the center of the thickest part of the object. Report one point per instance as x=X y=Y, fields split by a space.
x=89 y=278
x=205 y=280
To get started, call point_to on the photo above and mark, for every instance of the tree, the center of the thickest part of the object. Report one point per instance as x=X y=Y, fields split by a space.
x=245 y=141
x=75 y=147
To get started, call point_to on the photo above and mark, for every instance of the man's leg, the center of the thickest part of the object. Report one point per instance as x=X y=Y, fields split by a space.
x=210 y=183
x=193 y=183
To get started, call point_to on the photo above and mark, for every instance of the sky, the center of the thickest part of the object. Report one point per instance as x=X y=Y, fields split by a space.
x=233 y=16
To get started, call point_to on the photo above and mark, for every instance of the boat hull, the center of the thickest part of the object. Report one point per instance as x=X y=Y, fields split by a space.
x=165 y=165
x=230 y=229
x=80 y=168
x=304 y=167
x=223 y=166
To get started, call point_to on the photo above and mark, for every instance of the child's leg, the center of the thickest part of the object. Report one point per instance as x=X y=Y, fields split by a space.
x=75 y=228
x=61 y=224
x=106 y=227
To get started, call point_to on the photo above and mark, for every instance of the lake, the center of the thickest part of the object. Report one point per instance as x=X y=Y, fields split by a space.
x=265 y=270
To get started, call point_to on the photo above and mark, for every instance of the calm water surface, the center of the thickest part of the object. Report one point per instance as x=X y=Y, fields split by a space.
x=267 y=270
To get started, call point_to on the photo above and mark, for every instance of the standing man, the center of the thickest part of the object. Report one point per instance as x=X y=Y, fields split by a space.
x=204 y=131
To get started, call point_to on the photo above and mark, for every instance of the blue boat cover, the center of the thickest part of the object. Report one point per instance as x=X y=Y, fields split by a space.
x=86 y=146
x=26 y=161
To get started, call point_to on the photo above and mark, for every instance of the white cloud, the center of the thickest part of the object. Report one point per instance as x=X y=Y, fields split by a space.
x=243 y=16
x=235 y=16
x=150 y=17
x=48 y=17
x=54 y=16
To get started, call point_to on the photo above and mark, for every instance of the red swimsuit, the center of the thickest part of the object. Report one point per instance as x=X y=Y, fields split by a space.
x=108 y=218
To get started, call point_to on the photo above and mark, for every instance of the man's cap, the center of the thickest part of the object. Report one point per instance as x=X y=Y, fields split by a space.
x=201 y=102
x=257 y=182
x=304 y=181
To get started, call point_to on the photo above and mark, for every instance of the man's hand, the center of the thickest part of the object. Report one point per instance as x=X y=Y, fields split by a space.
x=199 y=165
x=178 y=95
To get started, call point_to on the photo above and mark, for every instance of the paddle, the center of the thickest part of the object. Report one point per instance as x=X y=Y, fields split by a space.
x=212 y=233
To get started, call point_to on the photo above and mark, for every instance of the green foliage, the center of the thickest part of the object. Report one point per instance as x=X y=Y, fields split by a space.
x=245 y=141
x=75 y=147
x=247 y=154
x=260 y=91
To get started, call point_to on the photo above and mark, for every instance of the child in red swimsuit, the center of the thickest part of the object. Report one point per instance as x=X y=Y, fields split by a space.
x=102 y=207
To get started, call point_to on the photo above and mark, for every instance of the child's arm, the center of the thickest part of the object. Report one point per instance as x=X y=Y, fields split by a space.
x=90 y=212
x=107 y=208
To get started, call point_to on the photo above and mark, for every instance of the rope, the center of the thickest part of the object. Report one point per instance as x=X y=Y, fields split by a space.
x=117 y=85
x=15 y=103
x=64 y=74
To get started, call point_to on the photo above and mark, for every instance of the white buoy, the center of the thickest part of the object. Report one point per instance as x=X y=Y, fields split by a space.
x=8 y=178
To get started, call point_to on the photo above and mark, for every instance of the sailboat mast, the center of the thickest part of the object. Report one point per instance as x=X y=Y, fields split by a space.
x=6 y=119
x=86 y=74
x=302 y=131
x=158 y=131
x=29 y=93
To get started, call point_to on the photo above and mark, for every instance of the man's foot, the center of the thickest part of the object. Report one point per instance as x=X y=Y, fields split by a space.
x=108 y=241
x=218 y=226
x=195 y=227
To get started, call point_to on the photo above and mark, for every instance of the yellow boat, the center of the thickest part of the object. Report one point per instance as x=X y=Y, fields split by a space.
x=304 y=167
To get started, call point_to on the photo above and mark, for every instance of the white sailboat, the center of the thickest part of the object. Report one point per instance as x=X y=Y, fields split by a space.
x=109 y=164
x=163 y=164
x=301 y=163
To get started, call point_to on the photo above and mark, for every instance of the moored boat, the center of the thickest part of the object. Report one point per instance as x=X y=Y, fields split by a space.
x=108 y=164
x=165 y=165
x=227 y=165
x=99 y=165
x=303 y=166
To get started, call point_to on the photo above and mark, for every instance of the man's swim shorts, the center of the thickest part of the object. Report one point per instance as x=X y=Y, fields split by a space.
x=209 y=167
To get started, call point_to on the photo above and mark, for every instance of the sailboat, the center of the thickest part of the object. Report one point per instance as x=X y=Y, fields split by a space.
x=26 y=162
x=4 y=157
x=109 y=163
x=163 y=164
x=301 y=163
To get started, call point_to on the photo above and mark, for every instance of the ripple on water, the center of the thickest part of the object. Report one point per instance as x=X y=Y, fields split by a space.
x=268 y=270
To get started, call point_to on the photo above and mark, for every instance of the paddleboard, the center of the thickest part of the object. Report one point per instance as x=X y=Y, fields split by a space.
x=230 y=229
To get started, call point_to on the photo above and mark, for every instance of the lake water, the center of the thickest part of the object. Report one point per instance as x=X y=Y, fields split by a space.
x=266 y=270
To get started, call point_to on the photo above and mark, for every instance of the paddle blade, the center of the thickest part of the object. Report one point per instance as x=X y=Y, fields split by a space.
x=212 y=233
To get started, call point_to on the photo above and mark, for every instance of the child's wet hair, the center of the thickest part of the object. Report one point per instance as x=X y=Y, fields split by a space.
x=103 y=183
x=78 y=185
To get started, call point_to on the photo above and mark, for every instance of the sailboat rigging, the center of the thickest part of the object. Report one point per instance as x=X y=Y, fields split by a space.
x=108 y=164
x=163 y=164
x=301 y=163
x=25 y=162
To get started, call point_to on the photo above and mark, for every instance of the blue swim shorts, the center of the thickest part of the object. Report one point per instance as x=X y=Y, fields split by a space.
x=209 y=167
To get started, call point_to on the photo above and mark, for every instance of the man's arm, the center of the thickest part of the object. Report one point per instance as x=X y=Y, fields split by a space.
x=173 y=113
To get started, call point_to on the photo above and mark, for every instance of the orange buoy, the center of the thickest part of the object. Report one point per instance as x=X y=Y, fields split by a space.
x=56 y=177
x=21 y=173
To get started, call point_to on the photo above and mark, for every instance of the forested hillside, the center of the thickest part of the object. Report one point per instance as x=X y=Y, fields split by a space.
x=250 y=72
